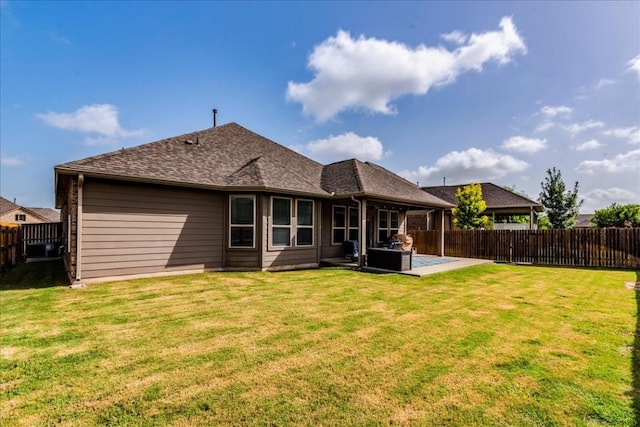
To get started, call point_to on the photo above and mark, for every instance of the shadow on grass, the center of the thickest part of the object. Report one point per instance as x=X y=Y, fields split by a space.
x=635 y=358
x=36 y=275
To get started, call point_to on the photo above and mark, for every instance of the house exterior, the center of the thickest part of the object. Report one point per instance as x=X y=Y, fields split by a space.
x=584 y=221
x=12 y=213
x=222 y=199
x=499 y=202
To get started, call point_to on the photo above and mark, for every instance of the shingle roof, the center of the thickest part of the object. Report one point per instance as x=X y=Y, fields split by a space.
x=356 y=177
x=583 y=220
x=223 y=156
x=7 y=206
x=232 y=157
x=495 y=196
x=47 y=213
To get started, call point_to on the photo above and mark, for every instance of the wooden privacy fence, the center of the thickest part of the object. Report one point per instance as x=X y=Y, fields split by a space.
x=9 y=244
x=597 y=247
x=41 y=239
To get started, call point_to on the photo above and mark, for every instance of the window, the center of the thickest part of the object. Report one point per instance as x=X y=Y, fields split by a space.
x=345 y=228
x=388 y=224
x=242 y=221
x=338 y=225
x=281 y=214
x=21 y=217
x=353 y=224
x=304 y=229
x=283 y=220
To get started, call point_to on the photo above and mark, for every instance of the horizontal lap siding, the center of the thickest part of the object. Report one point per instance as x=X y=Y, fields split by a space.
x=141 y=229
x=329 y=250
x=289 y=256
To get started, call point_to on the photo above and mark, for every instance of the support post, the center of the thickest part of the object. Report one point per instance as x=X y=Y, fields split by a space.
x=362 y=241
x=441 y=232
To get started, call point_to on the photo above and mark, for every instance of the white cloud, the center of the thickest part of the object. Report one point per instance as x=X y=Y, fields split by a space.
x=347 y=145
x=602 y=197
x=592 y=144
x=470 y=165
x=555 y=111
x=546 y=125
x=368 y=73
x=12 y=161
x=576 y=128
x=457 y=37
x=604 y=82
x=621 y=163
x=524 y=145
x=100 y=119
x=634 y=65
x=631 y=134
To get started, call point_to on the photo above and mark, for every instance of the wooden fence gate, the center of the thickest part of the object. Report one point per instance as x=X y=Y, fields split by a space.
x=41 y=240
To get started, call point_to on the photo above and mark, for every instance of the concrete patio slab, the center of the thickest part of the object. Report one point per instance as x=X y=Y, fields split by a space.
x=452 y=263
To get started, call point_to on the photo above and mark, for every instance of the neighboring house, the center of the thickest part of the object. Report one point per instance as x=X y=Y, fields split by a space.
x=500 y=202
x=584 y=221
x=12 y=213
x=223 y=198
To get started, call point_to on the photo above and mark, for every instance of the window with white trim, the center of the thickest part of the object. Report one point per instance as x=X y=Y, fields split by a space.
x=388 y=224
x=242 y=224
x=304 y=222
x=281 y=221
x=291 y=227
x=354 y=229
x=344 y=227
x=21 y=217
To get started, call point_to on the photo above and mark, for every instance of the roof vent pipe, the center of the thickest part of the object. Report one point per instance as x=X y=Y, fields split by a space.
x=215 y=112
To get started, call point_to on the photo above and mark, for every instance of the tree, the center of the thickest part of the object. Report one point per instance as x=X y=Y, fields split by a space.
x=617 y=216
x=562 y=205
x=466 y=215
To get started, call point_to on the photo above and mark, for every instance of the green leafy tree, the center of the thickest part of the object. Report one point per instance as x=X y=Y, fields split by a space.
x=543 y=223
x=467 y=213
x=617 y=216
x=562 y=205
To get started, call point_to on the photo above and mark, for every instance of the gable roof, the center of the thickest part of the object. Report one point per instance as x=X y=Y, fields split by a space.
x=46 y=214
x=230 y=157
x=495 y=196
x=7 y=206
x=49 y=214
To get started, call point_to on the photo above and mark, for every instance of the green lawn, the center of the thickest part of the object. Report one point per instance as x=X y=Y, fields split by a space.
x=493 y=345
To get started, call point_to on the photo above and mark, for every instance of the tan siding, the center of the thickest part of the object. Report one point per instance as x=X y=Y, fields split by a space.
x=141 y=229
x=288 y=256
x=328 y=250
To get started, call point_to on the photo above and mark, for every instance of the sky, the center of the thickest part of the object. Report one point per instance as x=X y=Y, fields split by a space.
x=437 y=92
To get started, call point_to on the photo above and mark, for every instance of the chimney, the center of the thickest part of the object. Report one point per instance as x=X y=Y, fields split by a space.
x=215 y=112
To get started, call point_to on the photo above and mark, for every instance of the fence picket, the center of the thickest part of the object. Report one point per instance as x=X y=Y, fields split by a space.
x=610 y=248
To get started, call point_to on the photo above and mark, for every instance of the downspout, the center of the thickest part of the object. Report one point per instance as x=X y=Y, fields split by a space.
x=79 y=228
x=363 y=232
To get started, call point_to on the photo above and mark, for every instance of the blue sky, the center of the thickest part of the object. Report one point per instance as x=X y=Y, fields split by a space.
x=470 y=91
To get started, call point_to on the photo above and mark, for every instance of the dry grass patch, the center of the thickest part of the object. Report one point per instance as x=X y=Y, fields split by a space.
x=488 y=345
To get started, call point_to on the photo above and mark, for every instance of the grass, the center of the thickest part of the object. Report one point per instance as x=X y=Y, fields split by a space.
x=493 y=345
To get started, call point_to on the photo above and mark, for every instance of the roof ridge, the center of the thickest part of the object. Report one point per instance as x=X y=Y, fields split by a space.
x=356 y=173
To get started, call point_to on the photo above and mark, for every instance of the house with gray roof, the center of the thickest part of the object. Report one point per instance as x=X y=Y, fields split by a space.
x=13 y=213
x=500 y=203
x=223 y=199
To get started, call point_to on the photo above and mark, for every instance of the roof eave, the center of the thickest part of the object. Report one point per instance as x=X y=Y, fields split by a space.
x=225 y=188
